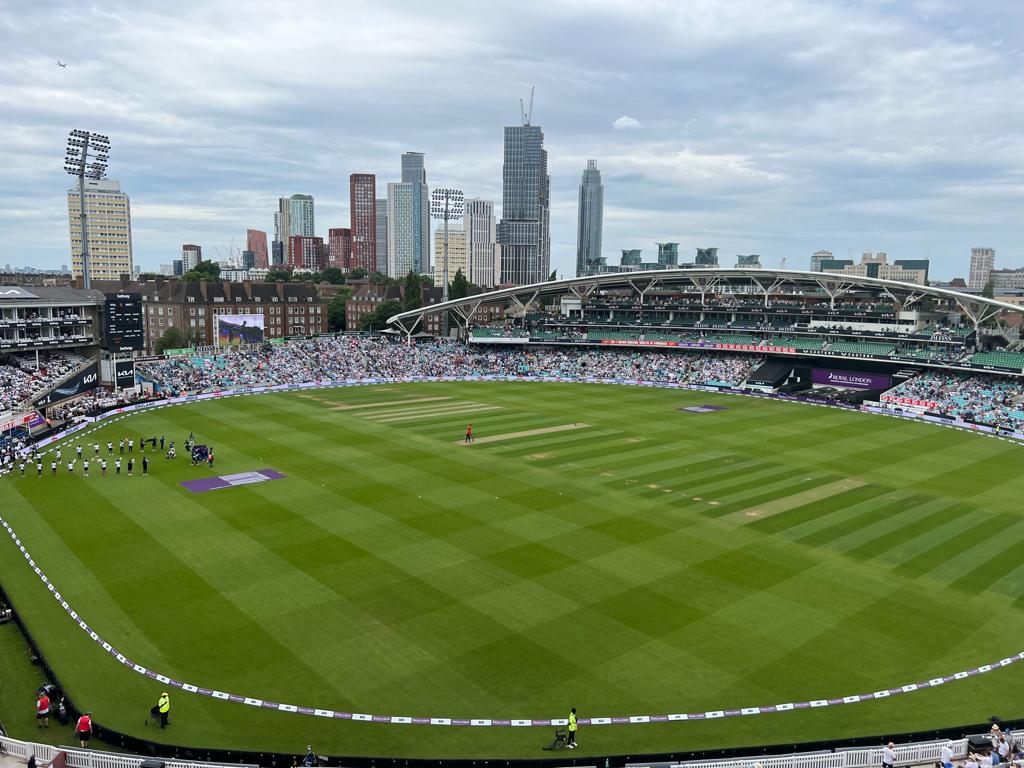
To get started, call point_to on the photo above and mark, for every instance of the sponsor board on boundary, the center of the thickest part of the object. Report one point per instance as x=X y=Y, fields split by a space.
x=913 y=402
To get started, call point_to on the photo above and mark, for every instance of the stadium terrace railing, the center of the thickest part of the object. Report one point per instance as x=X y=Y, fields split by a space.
x=918 y=753
x=922 y=753
x=87 y=758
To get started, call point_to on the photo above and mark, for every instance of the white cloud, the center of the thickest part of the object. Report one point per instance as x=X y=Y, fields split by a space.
x=626 y=122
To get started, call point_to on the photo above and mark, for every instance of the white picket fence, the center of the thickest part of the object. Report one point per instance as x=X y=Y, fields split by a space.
x=88 y=758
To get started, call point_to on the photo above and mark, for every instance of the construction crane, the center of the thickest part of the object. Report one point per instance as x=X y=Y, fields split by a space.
x=526 y=113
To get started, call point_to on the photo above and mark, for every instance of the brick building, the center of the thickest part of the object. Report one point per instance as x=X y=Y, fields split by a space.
x=305 y=254
x=289 y=309
x=339 y=247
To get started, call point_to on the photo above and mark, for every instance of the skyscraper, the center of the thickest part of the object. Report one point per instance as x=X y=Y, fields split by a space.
x=668 y=254
x=302 y=219
x=631 y=257
x=109 y=221
x=190 y=256
x=282 y=231
x=294 y=216
x=256 y=241
x=409 y=219
x=481 y=245
x=363 y=209
x=982 y=262
x=589 y=221
x=751 y=261
x=382 y=236
x=340 y=248
x=524 y=230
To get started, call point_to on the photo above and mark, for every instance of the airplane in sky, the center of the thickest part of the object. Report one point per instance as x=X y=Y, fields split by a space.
x=61 y=64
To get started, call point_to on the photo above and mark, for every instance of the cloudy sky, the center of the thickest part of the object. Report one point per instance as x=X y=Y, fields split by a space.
x=777 y=128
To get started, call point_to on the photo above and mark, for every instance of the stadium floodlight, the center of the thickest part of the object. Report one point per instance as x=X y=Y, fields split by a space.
x=446 y=204
x=86 y=157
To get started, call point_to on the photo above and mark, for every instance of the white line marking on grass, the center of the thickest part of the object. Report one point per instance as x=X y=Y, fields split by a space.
x=526 y=433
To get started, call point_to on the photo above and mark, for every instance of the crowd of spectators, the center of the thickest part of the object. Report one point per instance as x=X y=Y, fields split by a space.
x=20 y=379
x=373 y=357
x=990 y=400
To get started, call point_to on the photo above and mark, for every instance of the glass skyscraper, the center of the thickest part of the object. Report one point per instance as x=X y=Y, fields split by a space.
x=589 y=223
x=524 y=230
x=408 y=215
x=294 y=216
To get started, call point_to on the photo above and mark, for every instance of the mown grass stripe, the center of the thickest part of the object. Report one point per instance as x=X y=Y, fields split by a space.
x=834 y=501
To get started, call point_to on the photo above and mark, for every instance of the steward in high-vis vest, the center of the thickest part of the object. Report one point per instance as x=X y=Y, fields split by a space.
x=162 y=709
x=571 y=743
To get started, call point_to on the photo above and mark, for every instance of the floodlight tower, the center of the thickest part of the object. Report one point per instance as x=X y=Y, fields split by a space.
x=86 y=157
x=446 y=204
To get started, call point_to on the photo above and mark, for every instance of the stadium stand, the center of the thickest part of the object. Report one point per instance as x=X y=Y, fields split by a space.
x=373 y=357
x=991 y=400
x=1000 y=359
x=20 y=380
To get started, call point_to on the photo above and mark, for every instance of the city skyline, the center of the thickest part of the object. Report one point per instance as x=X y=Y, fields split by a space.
x=840 y=127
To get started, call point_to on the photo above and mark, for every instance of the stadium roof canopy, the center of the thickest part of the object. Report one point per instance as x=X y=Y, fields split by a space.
x=766 y=281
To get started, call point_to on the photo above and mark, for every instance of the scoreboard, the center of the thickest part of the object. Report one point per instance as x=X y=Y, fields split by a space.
x=123 y=322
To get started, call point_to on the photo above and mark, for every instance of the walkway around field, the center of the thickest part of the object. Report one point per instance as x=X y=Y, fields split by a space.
x=526 y=433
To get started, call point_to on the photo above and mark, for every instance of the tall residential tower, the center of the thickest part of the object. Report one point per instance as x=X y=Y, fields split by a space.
x=409 y=219
x=982 y=262
x=481 y=243
x=363 y=208
x=109 y=219
x=524 y=230
x=589 y=222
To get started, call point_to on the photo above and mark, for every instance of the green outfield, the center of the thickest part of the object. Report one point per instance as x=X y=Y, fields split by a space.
x=596 y=547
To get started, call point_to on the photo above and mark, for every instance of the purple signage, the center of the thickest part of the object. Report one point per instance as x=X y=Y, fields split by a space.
x=850 y=379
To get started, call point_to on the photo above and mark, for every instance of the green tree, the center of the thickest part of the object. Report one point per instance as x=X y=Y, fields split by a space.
x=379 y=278
x=358 y=273
x=989 y=291
x=278 y=274
x=553 y=276
x=378 y=319
x=412 y=292
x=459 y=289
x=204 y=270
x=336 y=309
x=172 y=338
x=332 y=275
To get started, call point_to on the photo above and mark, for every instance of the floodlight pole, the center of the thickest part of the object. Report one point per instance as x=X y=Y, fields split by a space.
x=86 y=282
x=76 y=163
x=446 y=204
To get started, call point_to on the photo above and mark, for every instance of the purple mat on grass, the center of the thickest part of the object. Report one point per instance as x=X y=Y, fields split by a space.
x=204 y=484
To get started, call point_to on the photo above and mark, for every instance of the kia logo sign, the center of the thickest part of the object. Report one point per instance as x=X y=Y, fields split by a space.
x=89 y=378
